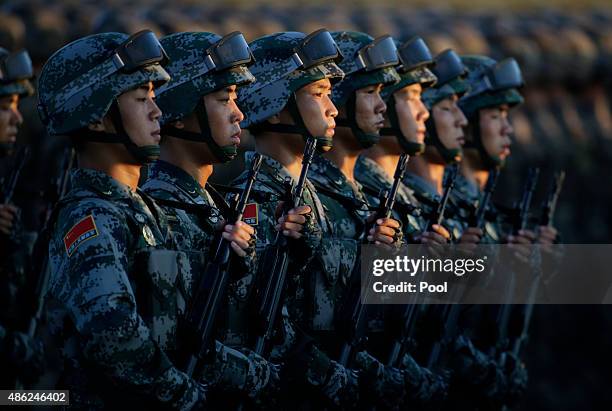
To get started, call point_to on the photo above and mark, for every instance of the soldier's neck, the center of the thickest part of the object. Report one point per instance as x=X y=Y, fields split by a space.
x=112 y=159
x=191 y=160
x=473 y=172
x=431 y=172
x=385 y=159
x=345 y=153
x=283 y=148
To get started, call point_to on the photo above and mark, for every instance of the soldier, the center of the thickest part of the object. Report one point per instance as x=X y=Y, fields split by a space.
x=200 y=127
x=406 y=115
x=113 y=266
x=23 y=353
x=287 y=105
x=368 y=64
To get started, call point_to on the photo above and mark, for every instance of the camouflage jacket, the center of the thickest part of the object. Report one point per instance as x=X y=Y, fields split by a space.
x=308 y=306
x=428 y=198
x=114 y=270
x=194 y=230
x=373 y=179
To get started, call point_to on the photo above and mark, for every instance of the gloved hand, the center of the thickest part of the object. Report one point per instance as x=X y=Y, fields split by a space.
x=517 y=377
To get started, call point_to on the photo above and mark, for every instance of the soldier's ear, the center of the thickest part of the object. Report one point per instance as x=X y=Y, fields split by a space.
x=275 y=119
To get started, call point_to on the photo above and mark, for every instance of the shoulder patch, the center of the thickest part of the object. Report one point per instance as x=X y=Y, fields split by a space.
x=80 y=232
x=251 y=216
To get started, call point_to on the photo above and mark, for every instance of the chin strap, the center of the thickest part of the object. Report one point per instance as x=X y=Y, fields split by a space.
x=448 y=155
x=365 y=140
x=223 y=154
x=323 y=143
x=410 y=147
x=142 y=154
x=488 y=160
x=6 y=149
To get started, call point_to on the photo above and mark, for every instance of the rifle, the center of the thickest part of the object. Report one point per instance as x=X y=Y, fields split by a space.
x=9 y=187
x=39 y=272
x=550 y=205
x=448 y=314
x=212 y=286
x=449 y=183
x=275 y=261
x=352 y=314
x=516 y=326
x=522 y=211
x=478 y=218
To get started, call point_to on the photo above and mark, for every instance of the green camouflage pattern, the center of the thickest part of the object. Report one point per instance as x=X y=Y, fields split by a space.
x=350 y=42
x=370 y=175
x=122 y=287
x=470 y=103
x=270 y=93
x=187 y=51
x=72 y=89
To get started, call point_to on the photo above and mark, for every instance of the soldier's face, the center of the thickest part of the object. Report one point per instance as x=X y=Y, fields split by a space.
x=10 y=119
x=370 y=109
x=495 y=131
x=411 y=112
x=316 y=108
x=140 y=115
x=449 y=121
x=224 y=116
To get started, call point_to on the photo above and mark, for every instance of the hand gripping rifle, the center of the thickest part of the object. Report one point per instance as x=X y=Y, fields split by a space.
x=211 y=289
x=273 y=264
x=352 y=315
x=449 y=184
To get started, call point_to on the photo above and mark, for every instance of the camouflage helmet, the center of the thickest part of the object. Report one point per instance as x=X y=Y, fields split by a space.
x=281 y=68
x=415 y=61
x=451 y=73
x=81 y=82
x=284 y=63
x=16 y=73
x=367 y=61
x=201 y=63
x=415 y=64
x=492 y=84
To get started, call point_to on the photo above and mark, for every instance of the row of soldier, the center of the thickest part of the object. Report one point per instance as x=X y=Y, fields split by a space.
x=177 y=293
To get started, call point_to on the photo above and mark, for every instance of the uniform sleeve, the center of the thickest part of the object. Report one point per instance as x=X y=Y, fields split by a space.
x=89 y=275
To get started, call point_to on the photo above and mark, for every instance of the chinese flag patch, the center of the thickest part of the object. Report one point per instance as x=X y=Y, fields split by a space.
x=80 y=232
x=250 y=215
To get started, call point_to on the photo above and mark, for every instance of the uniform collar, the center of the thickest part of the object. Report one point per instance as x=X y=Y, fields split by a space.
x=171 y=174
x=100 y=182
x=421 y=186
x=326 y=173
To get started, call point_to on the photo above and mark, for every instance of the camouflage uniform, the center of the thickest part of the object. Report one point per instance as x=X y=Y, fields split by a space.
x=314 y=267
x=193 y=232
x=373 y=179
x=113 y=269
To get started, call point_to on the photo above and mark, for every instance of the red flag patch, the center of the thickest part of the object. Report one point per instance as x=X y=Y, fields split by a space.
x=80 y=232
x=250 y=215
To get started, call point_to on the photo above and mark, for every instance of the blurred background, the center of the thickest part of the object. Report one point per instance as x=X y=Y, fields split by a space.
x=564 y=49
